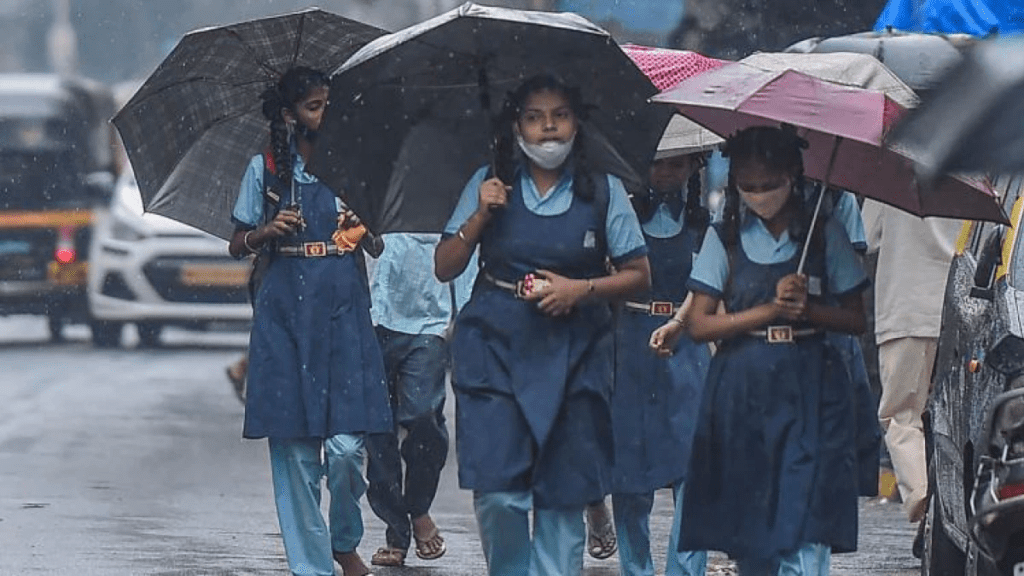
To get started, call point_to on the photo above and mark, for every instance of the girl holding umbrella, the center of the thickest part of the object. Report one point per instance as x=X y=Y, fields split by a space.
x=533 y=350
x=772 y=476
x=316 y=376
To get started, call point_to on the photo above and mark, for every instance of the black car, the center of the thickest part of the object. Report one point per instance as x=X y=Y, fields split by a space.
x=975 y=521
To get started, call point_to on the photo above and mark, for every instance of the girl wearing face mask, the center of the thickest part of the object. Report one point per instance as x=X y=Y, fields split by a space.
x=316 y=375
x=772 y=476
x=533 y=349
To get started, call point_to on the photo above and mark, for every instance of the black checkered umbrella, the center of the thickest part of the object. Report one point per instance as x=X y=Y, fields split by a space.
x=195 y=123
x=410 y=114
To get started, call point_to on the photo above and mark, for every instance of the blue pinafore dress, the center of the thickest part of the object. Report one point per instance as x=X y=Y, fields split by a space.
x=655 y=400
x=773 y=465
x=532 y=390
x=315 y=368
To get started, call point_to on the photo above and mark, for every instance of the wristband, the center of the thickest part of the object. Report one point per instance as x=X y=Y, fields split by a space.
x=676 y=320
x=462 y=236
x=590 y=286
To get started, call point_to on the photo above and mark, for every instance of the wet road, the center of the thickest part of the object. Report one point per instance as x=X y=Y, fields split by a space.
x=130 y=462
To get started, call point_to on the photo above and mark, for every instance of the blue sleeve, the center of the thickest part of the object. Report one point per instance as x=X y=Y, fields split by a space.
x=711 y=268
x=248 y=212
x=622 y=228
x=847 y=212
x=468 y=203
x=843 y=268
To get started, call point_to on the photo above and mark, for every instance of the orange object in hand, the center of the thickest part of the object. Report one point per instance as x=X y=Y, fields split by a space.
x=348 y=238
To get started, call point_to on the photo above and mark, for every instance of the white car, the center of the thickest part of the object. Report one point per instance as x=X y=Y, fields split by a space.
x=155 y=272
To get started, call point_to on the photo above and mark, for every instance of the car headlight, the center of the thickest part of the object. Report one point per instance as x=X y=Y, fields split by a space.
x=125 y=232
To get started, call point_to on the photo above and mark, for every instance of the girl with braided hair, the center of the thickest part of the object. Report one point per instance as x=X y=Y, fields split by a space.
x=654 y=404
x=772 y=476
x=533 y=347
x=316 y=376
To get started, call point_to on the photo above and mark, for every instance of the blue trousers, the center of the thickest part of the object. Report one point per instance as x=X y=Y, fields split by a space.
x=297 y=466
x=556 y=546
x=633 y=529
x=415 y=368
x=808 y=560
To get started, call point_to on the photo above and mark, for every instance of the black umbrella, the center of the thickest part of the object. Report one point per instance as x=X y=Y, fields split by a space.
x=194 y=124
x=975 y=119
x=411 y=113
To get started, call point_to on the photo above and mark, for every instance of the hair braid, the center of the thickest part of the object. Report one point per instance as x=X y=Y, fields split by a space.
x=697 y=216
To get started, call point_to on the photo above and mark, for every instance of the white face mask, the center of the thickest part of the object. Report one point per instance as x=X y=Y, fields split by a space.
x=769 y=203
x=548 y=155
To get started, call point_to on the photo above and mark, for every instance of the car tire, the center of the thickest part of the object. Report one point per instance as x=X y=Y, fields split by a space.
x=149 y=334
x=106 y=334
x=941 y=555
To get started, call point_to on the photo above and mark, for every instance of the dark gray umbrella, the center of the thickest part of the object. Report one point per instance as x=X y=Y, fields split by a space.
x=920 y=60
x=975 y=120
x=410 y=116
x=194 y=124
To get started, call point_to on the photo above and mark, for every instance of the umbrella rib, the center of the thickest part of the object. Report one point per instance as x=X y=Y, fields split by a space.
x=298 y=39
x=259 y=61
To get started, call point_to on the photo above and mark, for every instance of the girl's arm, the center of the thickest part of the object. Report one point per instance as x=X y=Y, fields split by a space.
x=706 y=325
x=848 y=317
x=250 y=241
x=453 y=253
x=562 y=294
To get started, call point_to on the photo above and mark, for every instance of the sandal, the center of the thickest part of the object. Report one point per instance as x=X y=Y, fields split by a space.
x=388 y=557
x=601 y=541
x=430 y=548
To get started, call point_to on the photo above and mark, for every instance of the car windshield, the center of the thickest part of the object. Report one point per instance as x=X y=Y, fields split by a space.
x=36 y=179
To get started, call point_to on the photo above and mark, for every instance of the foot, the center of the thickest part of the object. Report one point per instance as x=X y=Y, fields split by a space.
x=388 y=556
x=429 y=543
x=601 y=542
x=351 y=564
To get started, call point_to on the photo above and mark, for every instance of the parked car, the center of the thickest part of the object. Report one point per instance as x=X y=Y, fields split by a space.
x=975 y=521
x=56 y=170
x=154 y=272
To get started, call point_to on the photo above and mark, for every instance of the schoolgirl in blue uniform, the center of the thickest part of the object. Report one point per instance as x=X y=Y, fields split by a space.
x=772 y=475
x=533 y=365
x=654 y=405
x=316 y=376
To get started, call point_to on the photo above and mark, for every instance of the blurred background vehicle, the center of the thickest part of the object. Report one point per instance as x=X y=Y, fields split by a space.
x=154 y=272
x=976 y=440
x=56 y=169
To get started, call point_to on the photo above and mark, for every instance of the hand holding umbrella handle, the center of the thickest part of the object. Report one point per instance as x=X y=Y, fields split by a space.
x=493 y=196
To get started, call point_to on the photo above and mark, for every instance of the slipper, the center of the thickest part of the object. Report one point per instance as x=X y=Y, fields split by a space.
x=388 y=557
x=430 y=548
x=601 y=541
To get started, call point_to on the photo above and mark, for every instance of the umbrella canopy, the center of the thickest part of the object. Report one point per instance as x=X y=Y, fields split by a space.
x=846 y=68
x=193 y=126
x=975 y=120
x=845 y=127
x=448 y=76
x=918 y=59
x=666 y=68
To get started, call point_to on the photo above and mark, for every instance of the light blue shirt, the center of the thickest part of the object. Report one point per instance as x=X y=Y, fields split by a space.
x=662 y=224
x=405 y=293
x=249 y=204
x=622 y=229
x=711 y=268
x=847 y=212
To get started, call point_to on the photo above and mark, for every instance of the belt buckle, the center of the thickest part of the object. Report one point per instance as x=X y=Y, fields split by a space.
x=779 y=334
x=314 y=249
x=520 y=291
x=661 y=308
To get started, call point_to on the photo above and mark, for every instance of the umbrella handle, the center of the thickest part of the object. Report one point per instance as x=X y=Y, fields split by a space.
x=817 y=206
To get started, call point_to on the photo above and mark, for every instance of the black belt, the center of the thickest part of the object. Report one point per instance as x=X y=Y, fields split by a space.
x=784 y=334
x=309 y=250
x=654 y=308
